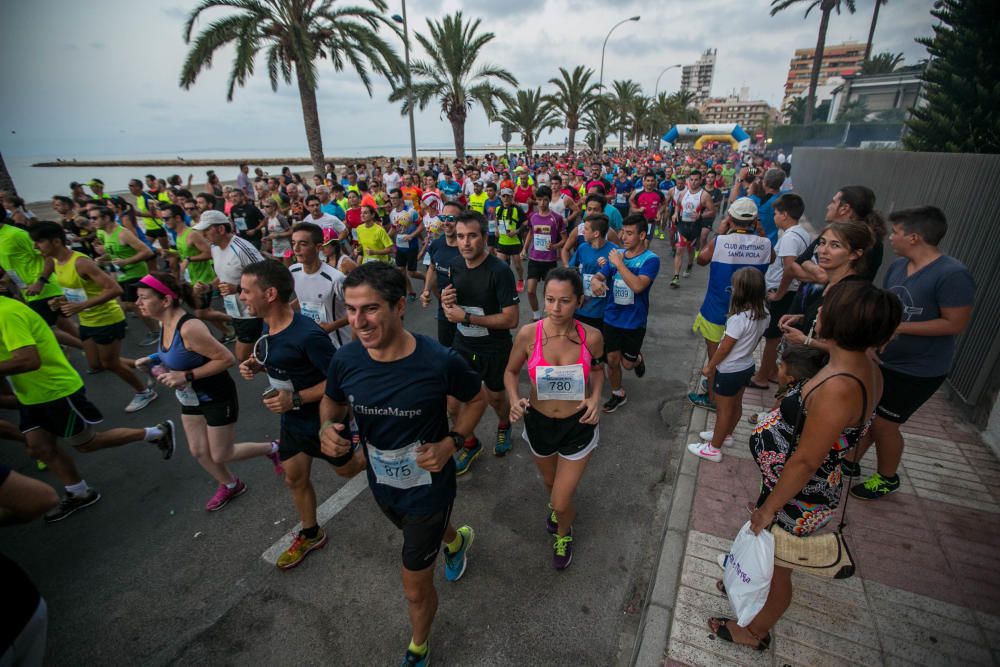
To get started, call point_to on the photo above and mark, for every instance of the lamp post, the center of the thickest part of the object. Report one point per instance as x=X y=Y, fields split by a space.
x=409 y=88
x=600 y=84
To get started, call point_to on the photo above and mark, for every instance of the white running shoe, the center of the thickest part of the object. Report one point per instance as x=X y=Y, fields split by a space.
x=704 y=450
x=141 y=400
x=707 y=437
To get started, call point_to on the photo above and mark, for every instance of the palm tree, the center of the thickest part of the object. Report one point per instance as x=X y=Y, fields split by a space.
x=622 y=93
x=294 y=33
x=449 y=75
x=638 y=115
x=882 y=63
x=871 y=30
x=598 y=122
x=825 y=7
x=573 y=97
x=529 y=114
x=795 y=110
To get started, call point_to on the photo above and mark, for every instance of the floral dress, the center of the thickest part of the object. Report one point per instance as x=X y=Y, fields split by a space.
x=772 y=443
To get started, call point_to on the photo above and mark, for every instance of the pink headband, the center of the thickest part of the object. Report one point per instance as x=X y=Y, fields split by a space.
x=155 y=283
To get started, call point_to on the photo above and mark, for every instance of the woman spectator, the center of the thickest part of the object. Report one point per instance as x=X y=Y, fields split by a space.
x=279 y=233
x=852 y=203
x=799 y=446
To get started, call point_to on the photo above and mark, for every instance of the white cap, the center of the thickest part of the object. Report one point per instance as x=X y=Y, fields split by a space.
x=210 y=218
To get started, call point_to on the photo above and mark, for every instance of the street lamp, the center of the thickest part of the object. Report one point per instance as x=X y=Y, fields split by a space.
x=656 y=89
x=409 y=87
x=600 y=85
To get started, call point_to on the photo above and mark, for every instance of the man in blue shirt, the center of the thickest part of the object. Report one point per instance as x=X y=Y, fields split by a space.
x=628 y=277
x=587 y=260
x=449 y=187
x=623 y=190
x=397 y=386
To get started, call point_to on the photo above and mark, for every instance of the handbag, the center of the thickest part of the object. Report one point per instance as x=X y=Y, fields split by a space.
x=825 y=555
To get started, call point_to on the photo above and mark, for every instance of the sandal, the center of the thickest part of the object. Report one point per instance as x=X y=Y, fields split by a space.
x=754 y=385
x=724 y=634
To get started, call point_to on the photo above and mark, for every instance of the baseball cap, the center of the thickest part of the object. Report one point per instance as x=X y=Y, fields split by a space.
x=506 y=191
x=210 y=218
x=743 y=209
x=330 y=235
x=95 y=181
x=74 y=185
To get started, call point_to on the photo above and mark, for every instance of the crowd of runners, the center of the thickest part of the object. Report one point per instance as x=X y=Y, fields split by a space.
x=308 y=280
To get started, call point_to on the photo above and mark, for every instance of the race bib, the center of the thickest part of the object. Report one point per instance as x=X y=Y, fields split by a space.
x=624 y=296
x=241 y=224
x=587 y=291
x=473 y=330
x=492 y=225
x=398 y=467
x=75 y=294
x=402 y=242
x=186 y=396
x=313 y=310
x=280 y=385
x=560 y=383
x=621 y=199
x=232 y=304
x=427 y=259
x=354 y=234
x=541 y=242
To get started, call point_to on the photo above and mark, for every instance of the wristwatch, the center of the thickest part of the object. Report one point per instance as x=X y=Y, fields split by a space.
x=189 y=376
x=467 y=320
x=296 y=401
x=457 y=438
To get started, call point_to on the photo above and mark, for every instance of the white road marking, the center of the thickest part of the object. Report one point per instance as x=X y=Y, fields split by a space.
x=329 y=509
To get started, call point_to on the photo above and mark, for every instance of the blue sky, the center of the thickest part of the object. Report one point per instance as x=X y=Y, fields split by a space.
x=100 y=77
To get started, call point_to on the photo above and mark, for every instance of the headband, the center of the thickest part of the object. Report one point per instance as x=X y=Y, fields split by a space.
x=152 y=282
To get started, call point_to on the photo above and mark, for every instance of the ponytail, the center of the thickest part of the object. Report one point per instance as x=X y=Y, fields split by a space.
x=861 y=199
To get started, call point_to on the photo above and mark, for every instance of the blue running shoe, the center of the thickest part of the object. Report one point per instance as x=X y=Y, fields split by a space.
x=454 y=564
x=411 y=659
x=465 y=456
x=503 y=443
x=701 y=401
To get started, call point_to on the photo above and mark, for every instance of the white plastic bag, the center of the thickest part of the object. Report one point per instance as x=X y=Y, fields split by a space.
x=749 y=566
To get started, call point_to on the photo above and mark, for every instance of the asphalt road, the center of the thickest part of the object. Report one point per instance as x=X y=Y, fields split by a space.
x=146 y=576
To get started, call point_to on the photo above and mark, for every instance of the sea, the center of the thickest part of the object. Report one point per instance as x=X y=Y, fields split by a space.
x=38 y=184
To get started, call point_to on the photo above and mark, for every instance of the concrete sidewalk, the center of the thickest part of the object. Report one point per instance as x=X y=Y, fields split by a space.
x=927 y=590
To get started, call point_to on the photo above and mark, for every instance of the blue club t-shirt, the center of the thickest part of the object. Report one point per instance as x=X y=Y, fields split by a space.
x=732 y=253
x=442 y=255
x=299 y=354
x=401 y=402
x=584 y=260
x=625 y=309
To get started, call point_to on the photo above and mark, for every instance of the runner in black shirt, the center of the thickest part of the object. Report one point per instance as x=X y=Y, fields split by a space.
x=248 y=220
x=482 y=301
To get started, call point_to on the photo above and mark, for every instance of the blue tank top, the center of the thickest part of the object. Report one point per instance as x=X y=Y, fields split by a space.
x=179 y=358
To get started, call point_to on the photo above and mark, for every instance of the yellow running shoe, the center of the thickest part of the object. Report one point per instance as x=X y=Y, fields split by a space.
x=299 y=548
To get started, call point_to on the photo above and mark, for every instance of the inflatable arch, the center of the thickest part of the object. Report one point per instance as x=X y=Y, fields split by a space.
x=705 y=132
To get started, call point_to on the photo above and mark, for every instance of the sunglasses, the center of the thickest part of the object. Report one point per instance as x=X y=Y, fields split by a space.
x=448 y=218
x=93 y=217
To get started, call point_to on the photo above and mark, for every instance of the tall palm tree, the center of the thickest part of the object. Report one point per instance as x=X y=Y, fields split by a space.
x=294 y=34
x=871 y=30
x=622 y=93
x=599 y=122
x=638 y=117
x=826 y=7
x=795 y=110
x=451 y=76
x=882 y=63
x=573 y=97
x=529 y=114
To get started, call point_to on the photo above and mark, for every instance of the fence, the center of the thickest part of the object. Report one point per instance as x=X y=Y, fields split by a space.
x=788 y=137
x=964 y=186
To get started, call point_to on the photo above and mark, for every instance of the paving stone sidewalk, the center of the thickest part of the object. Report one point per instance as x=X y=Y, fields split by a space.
x=927 y=590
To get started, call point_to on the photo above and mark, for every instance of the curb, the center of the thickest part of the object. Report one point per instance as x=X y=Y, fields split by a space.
x=654 y=630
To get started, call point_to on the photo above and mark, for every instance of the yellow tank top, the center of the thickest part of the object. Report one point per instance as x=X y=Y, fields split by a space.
x=78 y=289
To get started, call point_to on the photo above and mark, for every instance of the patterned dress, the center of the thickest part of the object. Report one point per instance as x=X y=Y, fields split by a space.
x=774 y=440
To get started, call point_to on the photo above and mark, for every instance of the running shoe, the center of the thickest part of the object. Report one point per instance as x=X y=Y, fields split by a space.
x=279 y=469
x=614 y=403
x=94 y=371
x=850 y=468
x=676 y=282
x=660 y=236
x=520 y=285
x=167 y=442
x=149 y=339
x=704 y=450
x=708 y=435
x=562 y=551
x=465 y=457
x=687 y=273
x=224 y=494
x=141 y=400
x=552 y=521
x=640 y=368
x=72 y=503
x=875 y=487
x=300 y=548
x=454 y=564
x=411 y=659
x=701 y=401
x=503 y=443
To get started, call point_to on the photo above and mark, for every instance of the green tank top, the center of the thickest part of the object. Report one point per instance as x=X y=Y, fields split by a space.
x=77 y=289
x=200 y=271
x=115 y=249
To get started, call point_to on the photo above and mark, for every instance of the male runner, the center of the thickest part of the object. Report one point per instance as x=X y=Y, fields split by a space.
x=490 y=207
x=54 y=406
x=319 y=287
x=249 y=222
x=295 y=353
x=695 y=203
x=631 y=275
x=651 y=204
x=587 y=260
x=546 y=236
x=406 y=228
x=511 y=221
x=317 y=216
x=230 y=255
x=443 y=251
x=482 y=302
x=146 y=215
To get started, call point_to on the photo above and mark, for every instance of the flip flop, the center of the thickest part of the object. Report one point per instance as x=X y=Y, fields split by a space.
x=754 y=385
x=724 y=634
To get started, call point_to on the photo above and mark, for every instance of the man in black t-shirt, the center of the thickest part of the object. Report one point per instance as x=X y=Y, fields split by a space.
x=397 y=386
x=443 y=251
x=295 y=353
x=482 y=301
x=248 y=220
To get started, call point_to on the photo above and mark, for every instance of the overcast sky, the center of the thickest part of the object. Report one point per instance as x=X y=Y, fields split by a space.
x=100 y=77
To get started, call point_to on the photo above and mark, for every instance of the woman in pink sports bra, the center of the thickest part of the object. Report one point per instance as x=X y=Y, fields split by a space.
x=564 y=360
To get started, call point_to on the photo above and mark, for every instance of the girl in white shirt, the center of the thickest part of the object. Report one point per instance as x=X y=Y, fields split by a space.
x=731 y=367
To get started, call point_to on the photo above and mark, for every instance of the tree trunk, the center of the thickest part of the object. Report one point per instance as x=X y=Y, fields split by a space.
x=572 y=135
x=6 y=182
x=529 y=144
x=871 y=30
x=310 y=117
x=817 y=62
x=458 y=131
